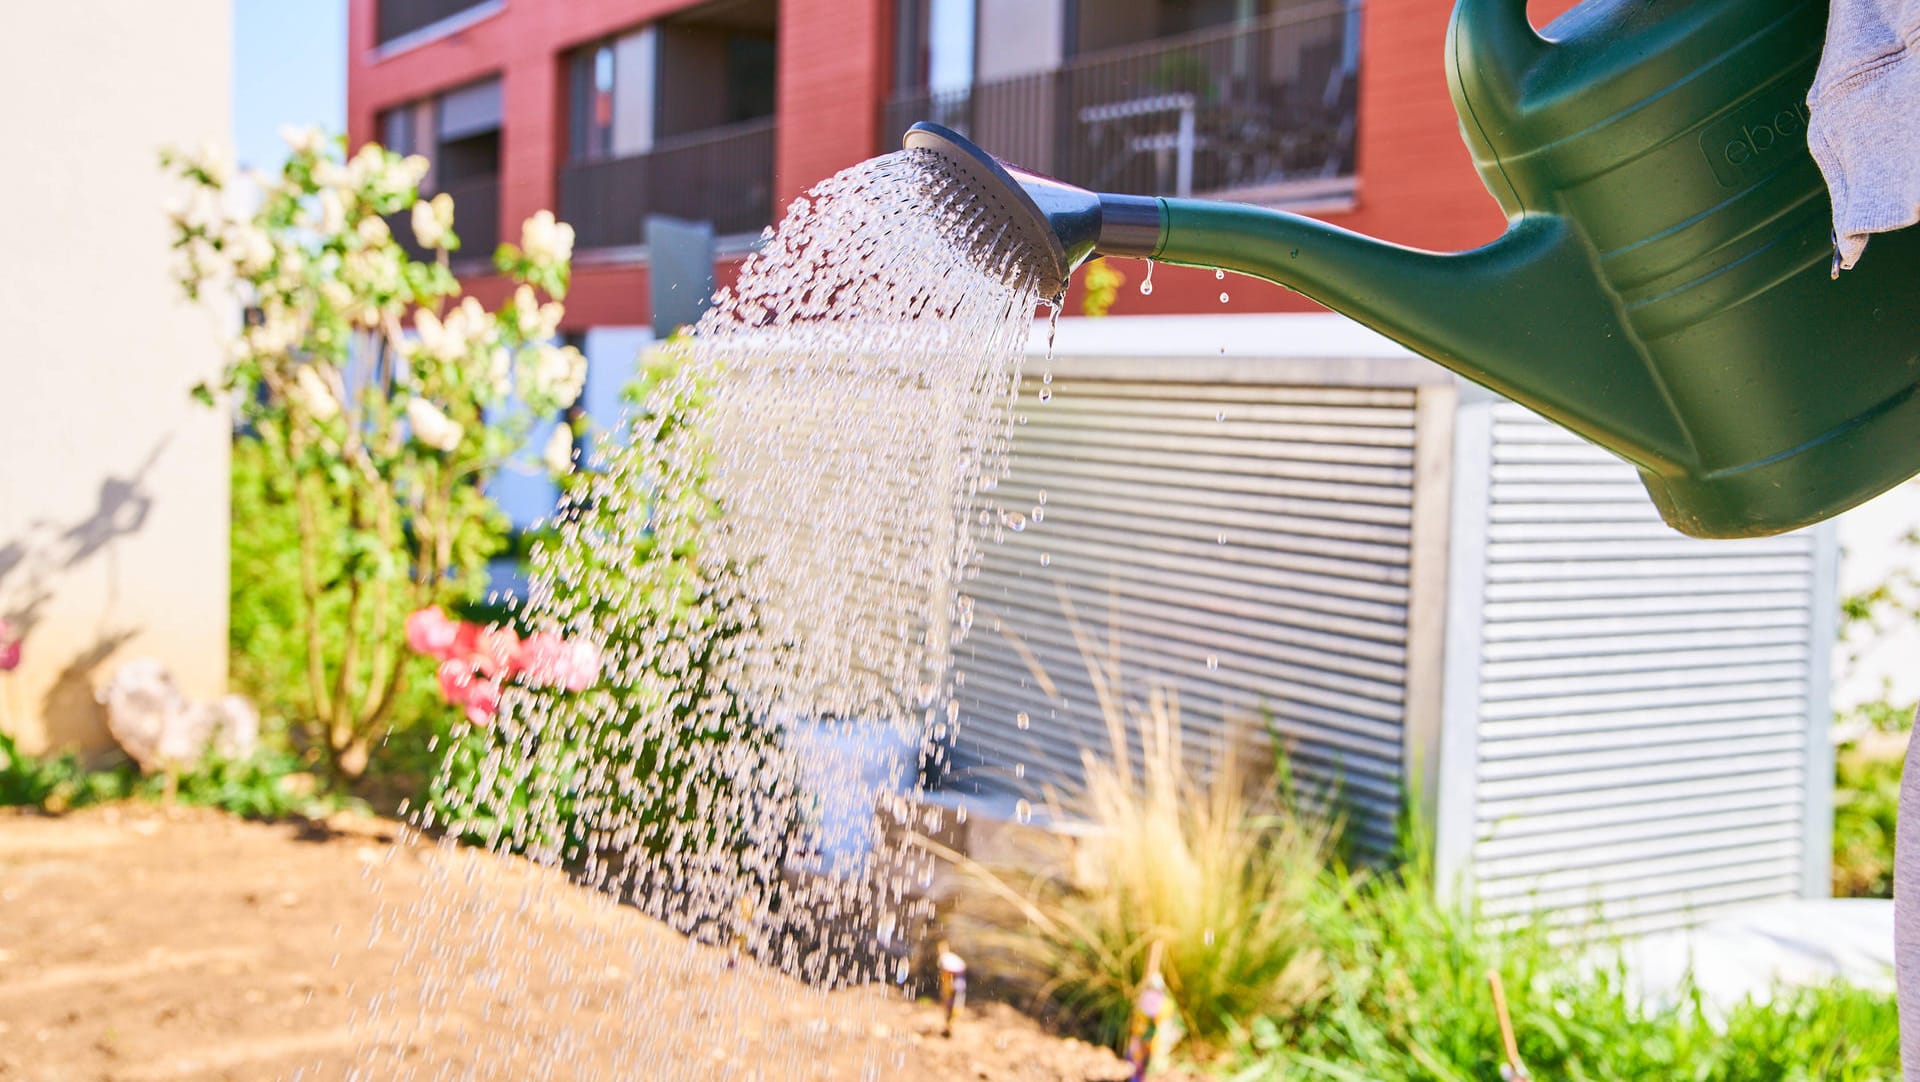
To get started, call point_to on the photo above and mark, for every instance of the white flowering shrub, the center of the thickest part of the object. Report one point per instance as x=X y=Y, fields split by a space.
x=375 y=401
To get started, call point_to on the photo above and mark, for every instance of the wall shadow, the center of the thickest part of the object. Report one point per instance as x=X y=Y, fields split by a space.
x=32 y=561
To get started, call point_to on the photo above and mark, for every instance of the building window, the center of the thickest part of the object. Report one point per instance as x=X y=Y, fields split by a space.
x=458 y=132
x=934 y=45
x=590 y=103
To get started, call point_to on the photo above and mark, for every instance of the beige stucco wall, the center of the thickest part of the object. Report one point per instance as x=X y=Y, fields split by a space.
x=113 y=484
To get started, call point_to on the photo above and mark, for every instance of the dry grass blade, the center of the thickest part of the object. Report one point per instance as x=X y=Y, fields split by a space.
x=1206 y=862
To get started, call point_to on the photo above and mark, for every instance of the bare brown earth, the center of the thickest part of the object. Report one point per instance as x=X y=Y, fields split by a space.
x=146 y=943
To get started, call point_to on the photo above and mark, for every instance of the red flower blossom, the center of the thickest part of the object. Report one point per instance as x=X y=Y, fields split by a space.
x=431 y=633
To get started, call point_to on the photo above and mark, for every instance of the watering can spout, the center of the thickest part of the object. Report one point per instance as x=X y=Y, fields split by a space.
x=1523 y=315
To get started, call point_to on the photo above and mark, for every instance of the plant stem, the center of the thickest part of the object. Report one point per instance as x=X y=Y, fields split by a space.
x=310 y=599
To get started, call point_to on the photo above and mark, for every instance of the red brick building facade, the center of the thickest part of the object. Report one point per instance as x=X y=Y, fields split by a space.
x=834 y=70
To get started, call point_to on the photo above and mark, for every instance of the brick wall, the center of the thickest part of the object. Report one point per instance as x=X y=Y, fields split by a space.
x=1417 y=185
x=833 y=73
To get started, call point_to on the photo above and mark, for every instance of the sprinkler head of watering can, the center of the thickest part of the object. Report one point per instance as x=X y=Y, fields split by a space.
x=1051 y=227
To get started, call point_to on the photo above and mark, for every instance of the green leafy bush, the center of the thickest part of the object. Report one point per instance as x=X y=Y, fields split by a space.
x=1409 y=999
x=55 y=782
x=378 y=402
x=1287 y=964
x=1866 y=807
x=268 y=785
x=625 y=767
x=268 y=640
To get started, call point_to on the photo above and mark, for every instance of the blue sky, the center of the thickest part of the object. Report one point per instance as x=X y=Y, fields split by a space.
x=289 y=67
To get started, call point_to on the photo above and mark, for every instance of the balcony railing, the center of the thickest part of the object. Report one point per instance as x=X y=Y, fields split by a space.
x=476 y=217
x=398 y=18
x=1254 y=110
x=723 y=176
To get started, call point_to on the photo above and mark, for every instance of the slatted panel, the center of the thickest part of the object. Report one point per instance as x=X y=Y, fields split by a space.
x=1643 y=697
x=1250 y=542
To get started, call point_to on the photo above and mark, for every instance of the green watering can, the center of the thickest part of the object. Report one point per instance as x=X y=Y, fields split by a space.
x=1665 y=285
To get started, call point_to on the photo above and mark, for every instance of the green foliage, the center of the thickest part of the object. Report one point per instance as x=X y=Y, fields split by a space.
x=267 y=637
x=1866 y=806
x=1102 y=281
x=1287 y=964
x=55 y=782
x=1409 y=999
x=269 y=785
x=377 y=403
x=625 y=568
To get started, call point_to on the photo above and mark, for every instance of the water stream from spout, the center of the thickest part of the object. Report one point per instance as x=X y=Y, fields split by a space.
x=774 y=568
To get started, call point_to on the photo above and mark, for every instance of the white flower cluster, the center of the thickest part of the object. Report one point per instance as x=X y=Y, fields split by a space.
x=558 y=454
x=313 y=393
x=433 y=221
x=556 y=374
x=161 y=729
x=466 y=330
x=536 y=322
x=372 y=172
x=545 y=241
x=307 y=140
x=276 y=333
x=432 y=427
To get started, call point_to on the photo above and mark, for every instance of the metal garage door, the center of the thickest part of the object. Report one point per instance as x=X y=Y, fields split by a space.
x=1651 y=714
x=1249 y=533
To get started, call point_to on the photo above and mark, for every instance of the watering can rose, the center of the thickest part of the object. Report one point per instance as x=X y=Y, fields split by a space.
x=476 y=662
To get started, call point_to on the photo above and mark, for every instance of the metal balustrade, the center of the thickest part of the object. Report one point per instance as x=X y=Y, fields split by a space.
x=721 y=175
x=1253 y=110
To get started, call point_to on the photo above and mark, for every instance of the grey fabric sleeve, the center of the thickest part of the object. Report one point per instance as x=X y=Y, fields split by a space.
x=1864 y=126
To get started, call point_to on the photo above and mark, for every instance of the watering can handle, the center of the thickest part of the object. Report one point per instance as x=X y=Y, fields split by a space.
x=1497 y=38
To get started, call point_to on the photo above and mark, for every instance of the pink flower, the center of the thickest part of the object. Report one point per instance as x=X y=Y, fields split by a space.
x=551 y=661
x=483 y=700
x=9 y=647
x=456 y=681
x=495 y=650
x=429 y=632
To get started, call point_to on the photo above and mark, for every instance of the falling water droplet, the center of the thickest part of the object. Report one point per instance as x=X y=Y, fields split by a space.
x=1042 y=496
x=1047 y=376
x=960 y=814
x=1221 y=416
x=1146 y=284
x=1022 y=720
x=1023 y=812
x=1039 y=514
x=1019 y=770
x=1222 y=539
x=1213 y=662
x=1046 y=558
x=1218 y=274
x=1223 y=296
x=1208 y=936
x=1046 y=394
x=1015 y=521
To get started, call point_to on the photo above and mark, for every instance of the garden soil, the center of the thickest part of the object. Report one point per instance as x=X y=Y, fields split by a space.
x=140 y=943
